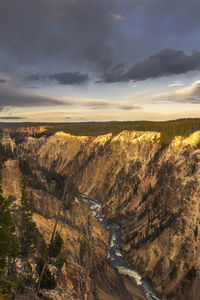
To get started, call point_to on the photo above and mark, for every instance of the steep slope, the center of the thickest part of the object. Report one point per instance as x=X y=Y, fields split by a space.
x=87 y=274
x=153 y=192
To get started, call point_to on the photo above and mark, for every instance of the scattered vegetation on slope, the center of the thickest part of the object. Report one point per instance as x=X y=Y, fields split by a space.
x=21 y=243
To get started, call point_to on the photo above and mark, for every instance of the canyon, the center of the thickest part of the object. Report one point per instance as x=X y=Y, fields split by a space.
x=150 y=190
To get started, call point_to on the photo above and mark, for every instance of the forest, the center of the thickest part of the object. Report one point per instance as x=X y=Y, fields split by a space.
x=168 y=129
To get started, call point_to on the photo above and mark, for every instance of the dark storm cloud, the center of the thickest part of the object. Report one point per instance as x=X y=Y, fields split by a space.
x=2 y=80
x=66 y=78
x=11 y=118
x=49 y=37
x=9 y=97
x=166 y=62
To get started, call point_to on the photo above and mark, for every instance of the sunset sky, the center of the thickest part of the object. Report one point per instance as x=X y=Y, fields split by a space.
x=99 y=60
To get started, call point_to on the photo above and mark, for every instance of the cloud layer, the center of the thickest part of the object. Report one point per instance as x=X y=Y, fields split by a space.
x=18 y=98
x=56 y=35
x=189 y=94
x=47 y=37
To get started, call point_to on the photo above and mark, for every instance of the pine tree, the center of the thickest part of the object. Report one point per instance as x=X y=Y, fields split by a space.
x=8 y=247
x=8 y=241
x=56 y=246
x=29 y=234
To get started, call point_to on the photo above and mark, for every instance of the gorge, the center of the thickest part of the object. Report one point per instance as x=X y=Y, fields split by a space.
x=151 y=191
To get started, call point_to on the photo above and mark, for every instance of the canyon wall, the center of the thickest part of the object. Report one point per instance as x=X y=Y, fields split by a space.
x=151 y=191
x=86 y=274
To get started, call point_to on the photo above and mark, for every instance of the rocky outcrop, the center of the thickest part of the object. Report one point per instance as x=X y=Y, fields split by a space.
x=151 y=191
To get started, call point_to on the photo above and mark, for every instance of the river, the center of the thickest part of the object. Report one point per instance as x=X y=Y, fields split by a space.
x=114 y=254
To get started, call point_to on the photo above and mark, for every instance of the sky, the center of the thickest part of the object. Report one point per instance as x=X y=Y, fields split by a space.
x=99 y=60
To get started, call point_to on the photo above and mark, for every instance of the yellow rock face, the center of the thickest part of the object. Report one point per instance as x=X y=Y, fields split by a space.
x=192 y=140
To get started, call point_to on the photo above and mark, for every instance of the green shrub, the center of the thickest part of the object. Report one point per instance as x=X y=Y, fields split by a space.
x=60 y=262
x=48 y=279
x=56 y=246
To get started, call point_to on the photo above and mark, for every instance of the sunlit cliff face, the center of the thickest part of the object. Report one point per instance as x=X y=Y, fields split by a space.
x=192 y=140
